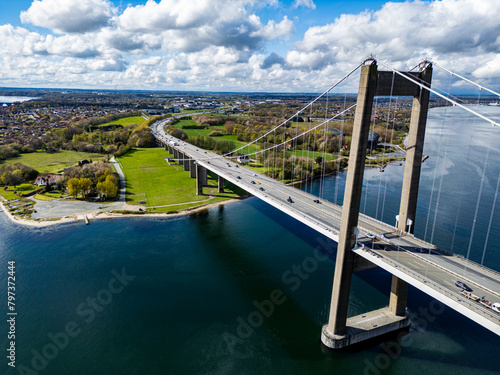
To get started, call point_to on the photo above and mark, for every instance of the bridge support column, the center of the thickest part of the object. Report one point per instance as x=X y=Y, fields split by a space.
x=175 y=153
x=192 y=168
x=186 y=162
x=170 y=150
x=411 y=179
x=201 y=179
x=220 y=182
x=399 y=294
x=336 y=329
x=414 y=151
x=342 y=331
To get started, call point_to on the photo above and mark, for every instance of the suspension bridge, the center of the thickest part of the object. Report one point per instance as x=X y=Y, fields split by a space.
x=363 y=242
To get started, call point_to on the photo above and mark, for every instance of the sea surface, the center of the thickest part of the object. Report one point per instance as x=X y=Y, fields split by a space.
x=244 y=289
x=13 y=99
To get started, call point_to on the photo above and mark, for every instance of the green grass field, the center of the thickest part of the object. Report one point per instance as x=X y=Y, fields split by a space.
x=192 y=132
x=190 y=110
x=152 y=180
x=206 y=132
x=310 y=154
x=22 y=188
x=56 y=162
x=126 y=121
x=196 y=132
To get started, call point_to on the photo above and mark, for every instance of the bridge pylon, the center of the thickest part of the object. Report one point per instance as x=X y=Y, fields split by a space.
x=342 y=331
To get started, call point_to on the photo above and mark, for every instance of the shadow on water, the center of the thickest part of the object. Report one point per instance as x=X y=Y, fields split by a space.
x=287 y=327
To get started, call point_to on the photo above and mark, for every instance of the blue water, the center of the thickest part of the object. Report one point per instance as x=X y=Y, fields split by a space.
x=190 y=287
x=14 y=99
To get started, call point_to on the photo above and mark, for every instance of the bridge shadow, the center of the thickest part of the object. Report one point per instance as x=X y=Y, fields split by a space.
x=446 y=336
x=212 y=182
x=288 y=327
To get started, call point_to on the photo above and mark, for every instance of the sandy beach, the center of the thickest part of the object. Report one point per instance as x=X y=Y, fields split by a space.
x=93 y=215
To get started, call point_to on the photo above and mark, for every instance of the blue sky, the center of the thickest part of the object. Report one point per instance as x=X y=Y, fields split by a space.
x=237 y=45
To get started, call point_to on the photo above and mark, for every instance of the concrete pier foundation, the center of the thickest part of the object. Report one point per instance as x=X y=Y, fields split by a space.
x=365 y=327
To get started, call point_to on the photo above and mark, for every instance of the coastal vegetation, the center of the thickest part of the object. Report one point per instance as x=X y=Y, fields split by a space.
x=15 y=174
x=92 y=179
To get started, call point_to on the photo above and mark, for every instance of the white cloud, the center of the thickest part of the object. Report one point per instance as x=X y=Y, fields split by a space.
x=69 y=45
x=274 y=30
x=271 y=60
x=490 y=70
x=150 y=61
x=123 y=41
x=195 y=25
x=400 y=32
x=109 y=64
x=304 y=3
x=235 y=45
x=177 y=14
x=19 y=41
x=69 y=16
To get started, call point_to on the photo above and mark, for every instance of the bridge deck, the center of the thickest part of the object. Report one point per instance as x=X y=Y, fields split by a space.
x=417 y=262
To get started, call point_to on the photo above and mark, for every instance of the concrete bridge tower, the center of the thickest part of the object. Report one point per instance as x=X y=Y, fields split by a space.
x=342 y=331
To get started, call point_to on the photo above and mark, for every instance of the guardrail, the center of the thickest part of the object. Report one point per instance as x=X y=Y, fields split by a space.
x=473 y=305
x=478 y=265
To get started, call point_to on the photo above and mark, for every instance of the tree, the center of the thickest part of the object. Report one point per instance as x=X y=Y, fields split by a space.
x=111 y=149
x=11 y=178
x=108 y=187
x=319 y=159
x=85 y=186
x=74 y=187
x=178 y=133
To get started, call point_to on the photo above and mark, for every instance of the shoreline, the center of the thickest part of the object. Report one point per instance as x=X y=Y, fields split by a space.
x=108 y=215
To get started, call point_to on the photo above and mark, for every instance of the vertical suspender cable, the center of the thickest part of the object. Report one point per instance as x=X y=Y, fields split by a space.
x=385 y=141
x=392 y=139
x=491 y=220
x=339 y=151
x=323 y=163
x=477 y=207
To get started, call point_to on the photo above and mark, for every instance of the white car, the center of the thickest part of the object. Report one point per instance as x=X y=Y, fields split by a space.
x=369 y=235
x=496 y=307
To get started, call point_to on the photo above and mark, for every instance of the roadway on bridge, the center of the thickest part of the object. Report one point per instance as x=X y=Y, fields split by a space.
x=419 y=263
